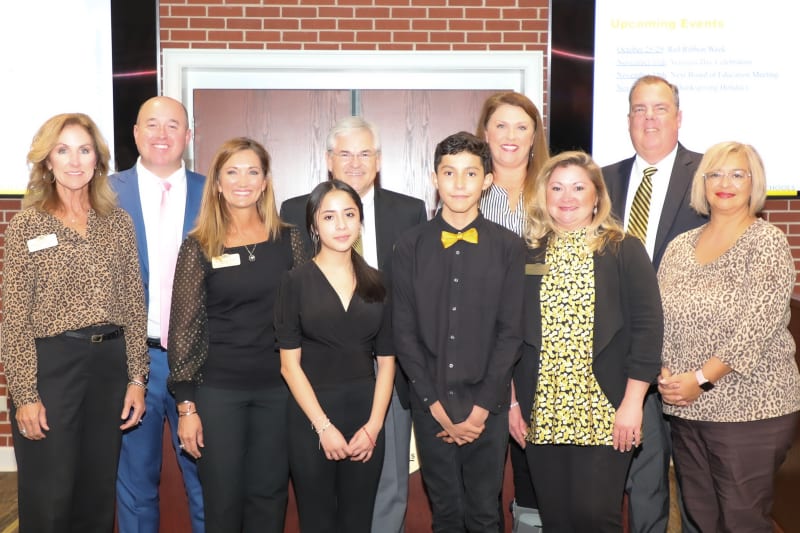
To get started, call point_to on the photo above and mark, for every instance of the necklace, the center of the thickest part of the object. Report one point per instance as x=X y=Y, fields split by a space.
x=251 y=254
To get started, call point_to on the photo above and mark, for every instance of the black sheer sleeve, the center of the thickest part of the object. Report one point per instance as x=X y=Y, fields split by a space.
x=188 y=323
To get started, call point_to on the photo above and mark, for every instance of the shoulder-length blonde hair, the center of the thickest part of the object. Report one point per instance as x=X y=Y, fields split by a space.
x=539 y=152
x=212 y=222
x=604 y=230
x=41 y=191
x=713 y=158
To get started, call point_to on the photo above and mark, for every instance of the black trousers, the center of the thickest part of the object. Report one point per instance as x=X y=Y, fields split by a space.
x=66 y=481
x=726 y=470
x=334 y=496
x=244 y=468
x=579 y=488
x=462 y=481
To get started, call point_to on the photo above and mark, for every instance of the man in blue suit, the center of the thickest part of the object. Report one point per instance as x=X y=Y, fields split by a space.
x=654 y=119
x=163 y=199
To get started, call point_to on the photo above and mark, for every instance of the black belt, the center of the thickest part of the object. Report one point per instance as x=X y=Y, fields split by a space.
x=153 y=342
x=84 y=335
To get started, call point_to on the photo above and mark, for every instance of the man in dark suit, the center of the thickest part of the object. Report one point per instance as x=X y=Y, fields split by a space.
x=163 y=199
x=654 y=118
x=353 y=155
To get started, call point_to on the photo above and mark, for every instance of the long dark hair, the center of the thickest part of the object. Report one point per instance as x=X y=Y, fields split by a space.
x=369 y=285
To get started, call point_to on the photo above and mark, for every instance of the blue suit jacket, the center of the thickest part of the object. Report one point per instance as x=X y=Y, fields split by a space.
x=126 y=185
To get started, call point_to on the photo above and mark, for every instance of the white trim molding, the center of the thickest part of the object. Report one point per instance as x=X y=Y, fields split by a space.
x=8 y=461
x=186 y=70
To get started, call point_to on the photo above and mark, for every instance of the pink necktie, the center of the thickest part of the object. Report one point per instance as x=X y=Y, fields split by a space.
x=169 y=256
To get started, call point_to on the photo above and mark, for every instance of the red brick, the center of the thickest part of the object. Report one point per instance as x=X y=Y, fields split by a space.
x=408 y=37
x=465 y=3
x=429 y=24
x=207 y=22
x=501 y=3
x=392 y=2
x=225 y=35
x=520 y=37
x=10 y=204
x=246 y=46
x=372 y=12
x=359 y=46
x=284 y=46
x=188 y=11
x=187 y=35
x=354 y=24
x=174 y=22
x=262 y=36
x=431 y=47
x=529 y=13
x=465 y=25
x=299 y=12
x=244 y=24
x=226 y=11
x=321 y=46
x=209 y=45
x=355 y=2
x=242 y=2
x=430 y=2
x=301 y=36
x=336 y=12
x=409 y=12
x=447 y=37
x=318 y=24
x=395 y=46
x=373 y=36
x=262 y=12
x=219 y=2
x=503 y=25
x=392 y=24
x=784 y=216
x=469 y=47
x=280 y=23
x=484 y=37
x=337 y=36
x=446 y=13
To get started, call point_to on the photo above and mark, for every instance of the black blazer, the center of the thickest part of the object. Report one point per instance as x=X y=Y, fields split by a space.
x=628 y=323
x=394 y=214
x=676 y=215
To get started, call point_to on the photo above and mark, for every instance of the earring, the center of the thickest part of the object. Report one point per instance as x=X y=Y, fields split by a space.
x=315 y=239
x=51 y=179
x=594 y=211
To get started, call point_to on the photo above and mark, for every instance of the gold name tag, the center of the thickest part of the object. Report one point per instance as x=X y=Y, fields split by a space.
x=536 y=269
x=226 y=260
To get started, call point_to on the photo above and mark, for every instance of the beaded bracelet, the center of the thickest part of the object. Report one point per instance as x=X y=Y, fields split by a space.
x=323 y=427
x=137 y=383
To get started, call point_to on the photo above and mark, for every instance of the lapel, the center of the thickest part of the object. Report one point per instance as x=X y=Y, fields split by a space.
x=680 y=182
x=194 y=196
x=127 y=189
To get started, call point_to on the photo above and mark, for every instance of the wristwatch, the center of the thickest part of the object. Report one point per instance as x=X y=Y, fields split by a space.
x=705 y=385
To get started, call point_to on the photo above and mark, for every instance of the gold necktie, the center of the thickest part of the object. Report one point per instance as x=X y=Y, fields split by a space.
x=640 y=208
x=449 y=239
x=358 y=245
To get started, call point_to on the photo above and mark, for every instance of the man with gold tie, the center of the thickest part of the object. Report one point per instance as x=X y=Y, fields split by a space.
x=650 y=194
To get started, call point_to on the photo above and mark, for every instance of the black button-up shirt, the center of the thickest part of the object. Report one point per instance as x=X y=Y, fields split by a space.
x=458 y=315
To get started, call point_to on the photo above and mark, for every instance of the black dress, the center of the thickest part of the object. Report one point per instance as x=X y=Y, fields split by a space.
x=338 y=348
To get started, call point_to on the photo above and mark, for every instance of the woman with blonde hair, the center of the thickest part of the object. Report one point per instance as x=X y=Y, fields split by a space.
x=592 y=346
x=74 y=331
x=730 y=383
x=224 y=364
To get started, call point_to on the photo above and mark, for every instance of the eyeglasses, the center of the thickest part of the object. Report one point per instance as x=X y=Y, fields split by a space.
x=736 y=176
x=366 y=155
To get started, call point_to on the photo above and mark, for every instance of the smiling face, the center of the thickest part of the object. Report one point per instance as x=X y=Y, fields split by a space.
x=337 y=221
x=354 y=160
x=460 y=179
x=726 y=194
x=241 y=180
x=571 y=198
x=510 y=133
x=161 y=133
x=653 y=121
x=72 y=160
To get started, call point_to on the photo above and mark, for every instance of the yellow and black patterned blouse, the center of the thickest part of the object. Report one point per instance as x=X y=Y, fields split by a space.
x=569 y=406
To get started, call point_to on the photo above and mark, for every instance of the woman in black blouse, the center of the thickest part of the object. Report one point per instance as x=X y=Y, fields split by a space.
x=332 y=321
x=224 y=369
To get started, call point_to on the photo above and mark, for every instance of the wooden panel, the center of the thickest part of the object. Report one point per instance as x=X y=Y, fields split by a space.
x=411 y=124
x=291 y=124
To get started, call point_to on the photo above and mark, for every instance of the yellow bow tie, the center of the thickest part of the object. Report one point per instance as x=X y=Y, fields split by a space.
x=449 y=239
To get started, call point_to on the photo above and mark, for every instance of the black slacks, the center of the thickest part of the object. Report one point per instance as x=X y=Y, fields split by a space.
x=579 y=488
x=462 y=481
x=334 y=496
x=66 y=481
x=726 y=470
x=244 y=468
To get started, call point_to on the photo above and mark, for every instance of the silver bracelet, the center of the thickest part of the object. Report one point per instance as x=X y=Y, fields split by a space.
x=137 y=383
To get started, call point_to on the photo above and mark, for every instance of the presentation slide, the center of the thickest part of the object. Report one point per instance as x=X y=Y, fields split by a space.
x=56 y=59
x=733 y=62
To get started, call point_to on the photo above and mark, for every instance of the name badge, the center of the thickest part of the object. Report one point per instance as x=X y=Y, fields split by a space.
x=42 y=242
x=536 y=269
x=226 y=260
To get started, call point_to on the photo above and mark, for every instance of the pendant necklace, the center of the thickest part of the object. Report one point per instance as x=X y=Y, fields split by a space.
x=251 y=254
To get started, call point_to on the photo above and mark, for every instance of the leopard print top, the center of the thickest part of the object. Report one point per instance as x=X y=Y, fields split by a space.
x=737 y=308
x=76 y=283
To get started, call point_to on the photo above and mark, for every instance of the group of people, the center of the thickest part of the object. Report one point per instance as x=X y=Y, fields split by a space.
x=598 y=322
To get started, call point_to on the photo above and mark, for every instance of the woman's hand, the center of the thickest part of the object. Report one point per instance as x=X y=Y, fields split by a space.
x=362 y=445
x=133 y=407
x=333 y=443
x=517 y=427
x=32 y=421
x=190 y=433
x=627 y=431
x=678 y=389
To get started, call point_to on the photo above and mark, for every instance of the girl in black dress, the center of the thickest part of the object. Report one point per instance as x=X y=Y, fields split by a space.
x=332 y=324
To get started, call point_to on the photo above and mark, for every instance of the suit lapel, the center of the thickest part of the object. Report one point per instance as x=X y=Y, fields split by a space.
x=679 y=183
x=128 y=198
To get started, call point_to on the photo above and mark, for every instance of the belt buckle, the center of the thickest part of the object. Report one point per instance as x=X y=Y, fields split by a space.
x=96 y=338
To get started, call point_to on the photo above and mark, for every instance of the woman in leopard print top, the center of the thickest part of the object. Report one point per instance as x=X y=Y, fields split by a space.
x=730 y=382
x=74 y=331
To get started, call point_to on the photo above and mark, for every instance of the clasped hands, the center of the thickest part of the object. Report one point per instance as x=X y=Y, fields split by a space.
x=359 y=448
x=463 y=432
x=678 y=389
